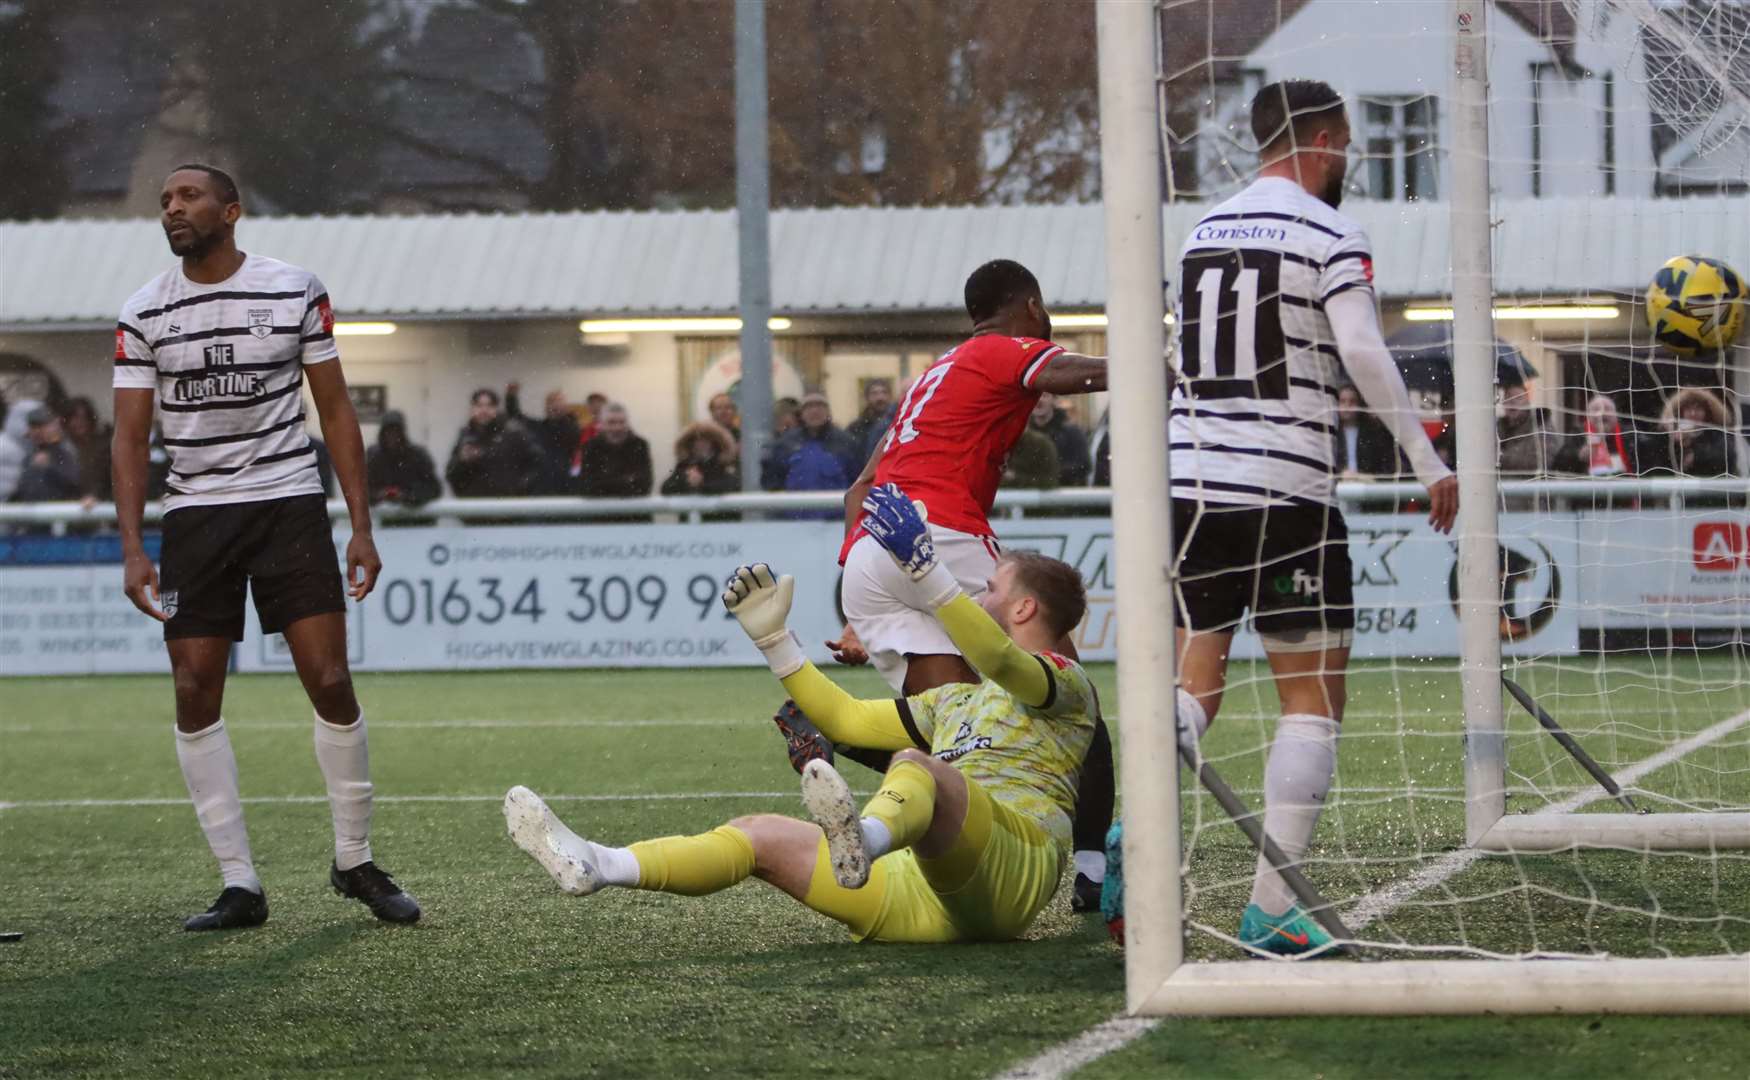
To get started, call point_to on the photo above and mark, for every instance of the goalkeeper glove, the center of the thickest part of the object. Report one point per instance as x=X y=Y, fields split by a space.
x=901 y=527
x=760 y=602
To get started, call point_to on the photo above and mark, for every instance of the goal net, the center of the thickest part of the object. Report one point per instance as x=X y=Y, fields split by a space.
x=1545 y=752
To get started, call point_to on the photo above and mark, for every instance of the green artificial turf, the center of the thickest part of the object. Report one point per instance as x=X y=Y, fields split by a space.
x=100 y=857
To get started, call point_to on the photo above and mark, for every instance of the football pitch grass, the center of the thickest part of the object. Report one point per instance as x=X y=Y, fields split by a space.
x=100 y=856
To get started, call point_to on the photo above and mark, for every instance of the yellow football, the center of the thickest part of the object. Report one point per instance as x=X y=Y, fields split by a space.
x=1695 y=304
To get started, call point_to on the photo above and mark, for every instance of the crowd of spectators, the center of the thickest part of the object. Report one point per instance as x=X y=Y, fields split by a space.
x=593 y=451
x=49 y=456
x=502 y=453
x=1694 y=435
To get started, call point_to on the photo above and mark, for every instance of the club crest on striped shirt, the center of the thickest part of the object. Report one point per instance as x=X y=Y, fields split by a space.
x=261 y=322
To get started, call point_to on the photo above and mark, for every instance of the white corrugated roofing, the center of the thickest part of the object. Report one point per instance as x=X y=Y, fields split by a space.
x=875 y=260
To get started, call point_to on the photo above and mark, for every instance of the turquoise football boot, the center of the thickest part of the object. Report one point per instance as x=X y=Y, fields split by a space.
x=1112 y=889
x=1294 y=933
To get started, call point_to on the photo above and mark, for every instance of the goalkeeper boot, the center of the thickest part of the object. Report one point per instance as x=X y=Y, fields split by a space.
x=236 y=908
x=802 y=739
x=1084 y=896
x=371 y=886
x=1293 y=933
x=829 y=803
x=565 y=855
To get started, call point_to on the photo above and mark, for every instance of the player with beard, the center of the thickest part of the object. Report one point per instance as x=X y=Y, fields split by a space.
x=1275 y=288
x=223 y=344
x=950 y=436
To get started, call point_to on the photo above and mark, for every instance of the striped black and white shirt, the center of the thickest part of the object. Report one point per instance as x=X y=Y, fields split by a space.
x=227 y=361
x=1255 y=393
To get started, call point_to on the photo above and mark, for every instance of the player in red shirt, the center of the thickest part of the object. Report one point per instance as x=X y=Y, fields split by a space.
x=945 y=448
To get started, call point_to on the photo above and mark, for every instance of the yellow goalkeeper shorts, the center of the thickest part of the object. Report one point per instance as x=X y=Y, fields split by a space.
x=1001 y=872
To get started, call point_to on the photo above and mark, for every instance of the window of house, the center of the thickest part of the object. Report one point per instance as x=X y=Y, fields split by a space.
x=1399 y=138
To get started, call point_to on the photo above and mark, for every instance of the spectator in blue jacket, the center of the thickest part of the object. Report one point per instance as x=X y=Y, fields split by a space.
x=815 y=455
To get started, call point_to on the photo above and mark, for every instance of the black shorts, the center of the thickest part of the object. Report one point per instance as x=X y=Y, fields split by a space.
x=280 y=549
x=1287 y=565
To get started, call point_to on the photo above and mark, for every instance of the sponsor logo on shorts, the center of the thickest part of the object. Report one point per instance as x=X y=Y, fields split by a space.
x=167 y=603
x=1299 y=583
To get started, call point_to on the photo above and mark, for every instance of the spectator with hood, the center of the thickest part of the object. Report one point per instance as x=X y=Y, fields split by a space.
x=1701 y=440
x=396 y=469
x=704 y=462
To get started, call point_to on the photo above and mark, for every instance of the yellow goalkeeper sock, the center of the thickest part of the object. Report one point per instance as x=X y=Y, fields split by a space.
x=694 y=865
x=904 y=806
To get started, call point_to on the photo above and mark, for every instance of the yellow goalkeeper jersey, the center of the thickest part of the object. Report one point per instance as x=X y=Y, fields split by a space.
x=1028 y=758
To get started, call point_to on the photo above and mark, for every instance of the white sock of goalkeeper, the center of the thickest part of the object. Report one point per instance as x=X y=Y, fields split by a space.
x=210 y=770
x=1193 y=721
x=1296 y=779
x=345 y=759
x=877 y=837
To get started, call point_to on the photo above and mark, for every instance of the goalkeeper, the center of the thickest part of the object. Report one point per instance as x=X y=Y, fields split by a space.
x=966 y=842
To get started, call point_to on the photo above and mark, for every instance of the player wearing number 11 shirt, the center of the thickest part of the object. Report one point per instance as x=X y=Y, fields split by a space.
x=1275 y=292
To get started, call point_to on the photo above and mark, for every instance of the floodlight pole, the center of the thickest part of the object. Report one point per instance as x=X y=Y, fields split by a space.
x=752 y=215
x=1473 y=381
x=1130 y=178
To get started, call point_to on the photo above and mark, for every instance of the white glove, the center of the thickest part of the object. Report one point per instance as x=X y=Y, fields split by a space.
x=760 y=602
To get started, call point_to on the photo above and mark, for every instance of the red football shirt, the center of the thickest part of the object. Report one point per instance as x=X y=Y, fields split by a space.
x=956 y=425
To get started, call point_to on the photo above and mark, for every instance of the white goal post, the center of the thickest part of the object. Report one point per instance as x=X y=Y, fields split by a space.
x=1159 y=980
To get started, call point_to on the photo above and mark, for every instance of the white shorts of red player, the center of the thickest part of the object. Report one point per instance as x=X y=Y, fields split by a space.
x=887 y=627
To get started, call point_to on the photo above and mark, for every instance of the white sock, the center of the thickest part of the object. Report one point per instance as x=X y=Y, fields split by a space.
x=210 y=770
x=1296 y=779
x=1091 y=865
x=1193 y=721
x=877 y=838
x=345 y=759
x=617 y=864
